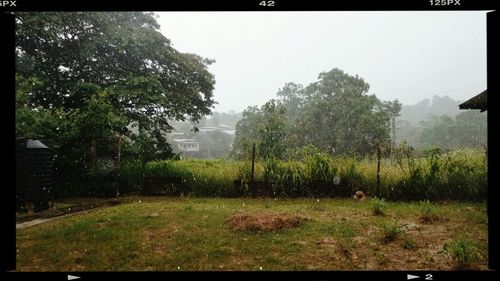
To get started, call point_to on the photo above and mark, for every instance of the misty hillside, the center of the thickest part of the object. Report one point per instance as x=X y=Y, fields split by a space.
x=440 y=123
x=437 y=106
x=414 y=114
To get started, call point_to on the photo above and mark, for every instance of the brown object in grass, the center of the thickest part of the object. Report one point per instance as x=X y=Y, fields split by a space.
x=359 y=195
x=264 y=221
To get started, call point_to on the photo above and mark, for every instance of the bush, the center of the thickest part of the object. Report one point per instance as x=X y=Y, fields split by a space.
x=378 y=206
x=463 y=252
x=409 y=243
x=391 y=232
x=130 y=177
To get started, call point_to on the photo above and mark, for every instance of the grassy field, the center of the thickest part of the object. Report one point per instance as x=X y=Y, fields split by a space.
x=192 y=234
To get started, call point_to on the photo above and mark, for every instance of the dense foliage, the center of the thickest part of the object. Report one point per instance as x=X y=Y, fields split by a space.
x=334 y=113
x=467 y=129
x=432 y=175
x=84 y=77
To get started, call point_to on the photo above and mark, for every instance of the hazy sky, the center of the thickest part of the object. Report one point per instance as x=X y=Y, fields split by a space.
x=402 y=55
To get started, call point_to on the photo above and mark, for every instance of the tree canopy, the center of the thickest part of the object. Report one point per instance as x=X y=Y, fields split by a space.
x=88 y=76
x=121 y=60
x=335 y=114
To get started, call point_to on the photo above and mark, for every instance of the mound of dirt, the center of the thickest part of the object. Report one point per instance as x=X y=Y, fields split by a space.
x=264 y=221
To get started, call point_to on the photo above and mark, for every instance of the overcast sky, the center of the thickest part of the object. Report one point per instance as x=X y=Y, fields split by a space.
x=402 y=55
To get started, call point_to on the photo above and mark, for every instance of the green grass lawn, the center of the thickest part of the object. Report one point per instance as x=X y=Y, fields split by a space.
x=191 y=234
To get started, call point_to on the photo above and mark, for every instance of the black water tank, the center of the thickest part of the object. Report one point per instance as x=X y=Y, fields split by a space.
x=34 y=175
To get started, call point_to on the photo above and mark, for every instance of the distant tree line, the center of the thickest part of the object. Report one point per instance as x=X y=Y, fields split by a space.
x=466 y=129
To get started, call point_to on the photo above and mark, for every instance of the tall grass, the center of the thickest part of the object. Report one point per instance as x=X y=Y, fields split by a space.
x=463 y=252
x=202 y=178
x=378 y=207
x=457 y=175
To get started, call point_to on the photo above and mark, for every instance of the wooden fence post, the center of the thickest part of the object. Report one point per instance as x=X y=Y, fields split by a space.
x=252 y=175
x=253 y=164
x=143 y=170
x=118 y=164
x=378 y=169
x=93 y=152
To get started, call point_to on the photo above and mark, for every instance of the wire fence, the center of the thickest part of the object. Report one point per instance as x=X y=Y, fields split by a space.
x=434 y=174
x=393 y=173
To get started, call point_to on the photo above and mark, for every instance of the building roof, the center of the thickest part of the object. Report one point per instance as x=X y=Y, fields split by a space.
x=478 y=102
x=208 y=129
x=35 y=144
x=186 y=140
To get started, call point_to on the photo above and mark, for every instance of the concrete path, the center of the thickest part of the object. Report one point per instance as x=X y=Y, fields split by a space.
x=61 y=213
x=22 y=225
x=34 y=222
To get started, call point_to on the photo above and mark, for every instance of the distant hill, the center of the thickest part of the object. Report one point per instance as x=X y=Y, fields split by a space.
x=437 y=106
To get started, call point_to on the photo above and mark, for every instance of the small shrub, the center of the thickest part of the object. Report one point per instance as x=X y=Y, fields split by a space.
x=346 y=245
x=409 y=243
x=130 y=177
x=428 y=213
x=463 y=252
x=391 y=232
x=381 y=258
x=378 y=206
x=427 y=208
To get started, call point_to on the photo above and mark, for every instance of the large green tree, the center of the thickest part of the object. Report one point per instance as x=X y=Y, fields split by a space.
x=291 y=97
x=77 y=56
x=247 y=132
x=264 y=127
x=337 y=115
x=82 y=77
x=272 y=134
x=334 y=114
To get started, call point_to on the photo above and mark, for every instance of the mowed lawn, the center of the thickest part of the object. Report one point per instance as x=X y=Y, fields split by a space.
x=192 y=234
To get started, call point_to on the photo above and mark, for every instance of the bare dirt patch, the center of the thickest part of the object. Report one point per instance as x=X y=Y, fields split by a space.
x=268 y=221
x=430 y=219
